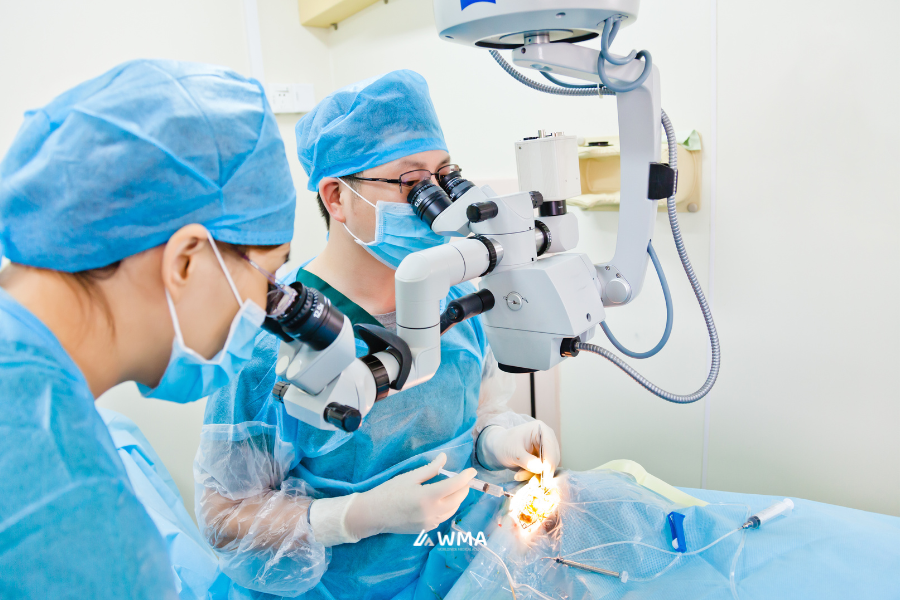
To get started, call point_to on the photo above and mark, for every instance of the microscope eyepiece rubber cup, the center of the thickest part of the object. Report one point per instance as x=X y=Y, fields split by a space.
x=428 y=201
x=455 y=185
x=310 y=319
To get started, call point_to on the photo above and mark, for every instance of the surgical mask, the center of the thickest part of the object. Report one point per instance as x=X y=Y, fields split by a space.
x=398 y=232
x=189 y=376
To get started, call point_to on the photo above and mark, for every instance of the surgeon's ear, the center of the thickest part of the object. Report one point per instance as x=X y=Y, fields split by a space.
x=330 y=192
x=180 y=258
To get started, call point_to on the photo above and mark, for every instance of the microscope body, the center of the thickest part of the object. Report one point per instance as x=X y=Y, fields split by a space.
x=540 y=299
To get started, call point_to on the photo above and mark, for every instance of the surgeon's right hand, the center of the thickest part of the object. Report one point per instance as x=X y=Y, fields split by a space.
x=404 y=504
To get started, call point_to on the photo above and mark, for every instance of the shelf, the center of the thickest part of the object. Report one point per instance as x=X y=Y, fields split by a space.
x=599 y=167
x=326 y=13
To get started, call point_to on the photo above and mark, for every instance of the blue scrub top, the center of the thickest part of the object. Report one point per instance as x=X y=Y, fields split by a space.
x=70 y=524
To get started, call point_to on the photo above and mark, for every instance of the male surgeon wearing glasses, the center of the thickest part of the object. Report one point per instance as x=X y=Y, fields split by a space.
x=295 y=511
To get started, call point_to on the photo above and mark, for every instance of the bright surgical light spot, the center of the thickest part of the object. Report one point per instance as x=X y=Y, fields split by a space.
x=534 y=503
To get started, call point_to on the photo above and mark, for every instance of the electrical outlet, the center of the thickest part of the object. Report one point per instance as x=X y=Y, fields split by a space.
x=290 y=97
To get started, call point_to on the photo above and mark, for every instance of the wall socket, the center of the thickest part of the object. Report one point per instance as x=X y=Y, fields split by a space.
x=290 y=97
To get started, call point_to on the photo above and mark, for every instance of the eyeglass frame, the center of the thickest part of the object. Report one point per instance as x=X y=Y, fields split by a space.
x=274 y=286
x=399 y=180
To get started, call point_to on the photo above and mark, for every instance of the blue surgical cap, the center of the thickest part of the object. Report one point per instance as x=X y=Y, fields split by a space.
x=368 y=124
x=118 y=164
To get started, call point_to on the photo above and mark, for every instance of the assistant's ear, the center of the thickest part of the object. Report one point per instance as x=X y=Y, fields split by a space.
x=180 y=257
x=330 y=192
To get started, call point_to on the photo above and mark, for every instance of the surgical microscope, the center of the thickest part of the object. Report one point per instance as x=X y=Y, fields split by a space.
x=540 y=302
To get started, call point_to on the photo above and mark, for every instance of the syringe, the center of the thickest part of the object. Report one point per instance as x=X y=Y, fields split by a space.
x=784 y=507
x=481 y=486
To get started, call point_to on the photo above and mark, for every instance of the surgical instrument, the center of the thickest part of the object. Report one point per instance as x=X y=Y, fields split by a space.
x=623 y=576
x=541 y=458
x=482 y=486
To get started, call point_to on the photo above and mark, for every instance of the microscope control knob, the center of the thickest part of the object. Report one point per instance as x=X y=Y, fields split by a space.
x=514 y=301
x=280 y=389
x=343 y=416
x=617 y=291
x=482 y=211
x=282 y=364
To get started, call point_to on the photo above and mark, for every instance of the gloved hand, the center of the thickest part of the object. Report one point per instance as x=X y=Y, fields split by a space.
x=405 y=505
x=519 y=448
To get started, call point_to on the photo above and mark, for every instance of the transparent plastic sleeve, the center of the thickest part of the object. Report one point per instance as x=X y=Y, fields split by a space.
x=606 y=520
x=256 y=519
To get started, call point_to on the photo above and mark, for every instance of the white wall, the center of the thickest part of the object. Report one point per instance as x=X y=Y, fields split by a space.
x=806 y=215
x=807 y=274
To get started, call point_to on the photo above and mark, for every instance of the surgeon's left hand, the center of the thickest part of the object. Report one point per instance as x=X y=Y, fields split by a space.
x=519 y=448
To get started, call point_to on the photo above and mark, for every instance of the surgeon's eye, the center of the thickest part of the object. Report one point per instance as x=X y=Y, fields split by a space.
x=411 y=178
x=447 y=169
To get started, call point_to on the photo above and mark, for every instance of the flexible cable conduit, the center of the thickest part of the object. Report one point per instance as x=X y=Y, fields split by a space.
x=679 y=245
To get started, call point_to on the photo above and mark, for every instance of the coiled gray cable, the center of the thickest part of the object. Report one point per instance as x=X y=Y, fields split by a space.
x=549 y=89
x=679 y=245
x=701 y=298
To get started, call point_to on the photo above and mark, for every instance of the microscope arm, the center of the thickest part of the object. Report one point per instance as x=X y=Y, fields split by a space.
x=422 y=281
x=639 y=136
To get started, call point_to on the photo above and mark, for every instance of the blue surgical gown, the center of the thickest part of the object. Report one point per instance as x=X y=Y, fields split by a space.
x=195 y=566
x=70 y=524
x=253 y=451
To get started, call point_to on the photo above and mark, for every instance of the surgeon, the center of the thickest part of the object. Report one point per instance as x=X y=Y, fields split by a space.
x=140 y=211
x=295 y=511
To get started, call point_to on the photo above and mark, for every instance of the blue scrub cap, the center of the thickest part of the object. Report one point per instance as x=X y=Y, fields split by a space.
x=118 y=164
x=368 y=124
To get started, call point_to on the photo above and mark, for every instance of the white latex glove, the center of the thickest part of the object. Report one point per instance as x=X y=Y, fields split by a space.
x=519 y=448
x=405 y=504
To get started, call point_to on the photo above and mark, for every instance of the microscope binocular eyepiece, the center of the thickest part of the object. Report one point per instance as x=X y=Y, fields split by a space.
x=429 y=200
x=311 y=319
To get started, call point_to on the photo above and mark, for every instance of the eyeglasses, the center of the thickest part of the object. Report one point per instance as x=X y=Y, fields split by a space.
x=411 y=178
x=279 y=297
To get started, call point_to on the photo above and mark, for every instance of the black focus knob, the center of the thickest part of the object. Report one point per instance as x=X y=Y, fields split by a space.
x=343 y=416
x=567 y=346
x=481 y=211
x=554 y=208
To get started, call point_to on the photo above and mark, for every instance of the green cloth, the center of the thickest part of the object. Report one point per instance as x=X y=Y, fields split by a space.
x=354 y=312
x=690 y=139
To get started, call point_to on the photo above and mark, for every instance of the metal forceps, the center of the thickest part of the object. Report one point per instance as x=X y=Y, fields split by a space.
x=541 y=454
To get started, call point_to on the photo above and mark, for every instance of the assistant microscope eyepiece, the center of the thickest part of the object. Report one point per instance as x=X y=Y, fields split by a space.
x=310 y=318
x=428 y=200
